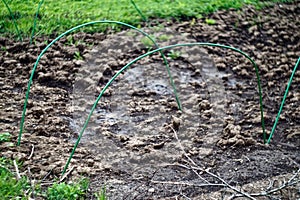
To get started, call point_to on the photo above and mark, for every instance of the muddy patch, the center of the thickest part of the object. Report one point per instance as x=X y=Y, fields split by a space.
x=139 y=110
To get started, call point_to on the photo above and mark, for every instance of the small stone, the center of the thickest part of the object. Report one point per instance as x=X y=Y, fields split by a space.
x=244 y=72
x=221 y=66
x=256 y=33
x=123 y=138
x=90 y=162
x=204 y=105
x=78 y=63
x=151 y=190
x=232 y=130
x=9 y=62
x=175 y=122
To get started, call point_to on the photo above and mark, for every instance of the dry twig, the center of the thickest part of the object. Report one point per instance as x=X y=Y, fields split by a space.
x=269 y=191
x=17 y=170
x=65 y=175
x=185 y=153
x=187 y=183
x=32 y=150
x=238 y=192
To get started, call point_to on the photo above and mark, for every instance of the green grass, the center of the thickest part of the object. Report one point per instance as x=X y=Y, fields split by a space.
x=5 y=137
x=174 y=54
x=57 y=16
x=101 y=195
x=10 y=187
x=65 y=191
x=13 y=188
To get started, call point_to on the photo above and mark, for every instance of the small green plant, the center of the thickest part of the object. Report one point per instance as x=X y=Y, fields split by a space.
x=193 y=22
x=5 y=137
x=164 y=37
x=101 y=195
x=46 y=42
x=77 y=56
x=131 y=33
x=158 y=27
x=147 y=42
x=72 y=191
x=174 y=54
x=70 y=40
x=210 y=21
x=78 y=42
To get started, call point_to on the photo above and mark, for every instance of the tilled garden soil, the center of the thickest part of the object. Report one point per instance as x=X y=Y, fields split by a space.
x=138 y=144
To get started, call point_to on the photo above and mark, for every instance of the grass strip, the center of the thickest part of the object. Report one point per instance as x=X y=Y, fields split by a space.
x=10 y=186
x=57 y=16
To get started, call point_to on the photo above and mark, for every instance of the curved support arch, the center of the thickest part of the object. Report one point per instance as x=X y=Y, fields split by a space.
x=156 y=50
x=71 y=30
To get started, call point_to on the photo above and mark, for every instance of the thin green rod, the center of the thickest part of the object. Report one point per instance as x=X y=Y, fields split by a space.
x=283 y=100
x=163 y=56
x=14 y=21
x=142 y=56
x=62 y=35
x=139 y=11
x=35 y=19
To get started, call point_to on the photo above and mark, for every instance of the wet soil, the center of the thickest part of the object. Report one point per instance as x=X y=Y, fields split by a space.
x=133 y=144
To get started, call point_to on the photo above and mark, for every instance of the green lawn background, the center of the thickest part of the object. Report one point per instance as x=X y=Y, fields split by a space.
x=58 y=16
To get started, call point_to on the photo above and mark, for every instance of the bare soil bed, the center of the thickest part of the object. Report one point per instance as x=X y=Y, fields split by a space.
x=138 y=144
